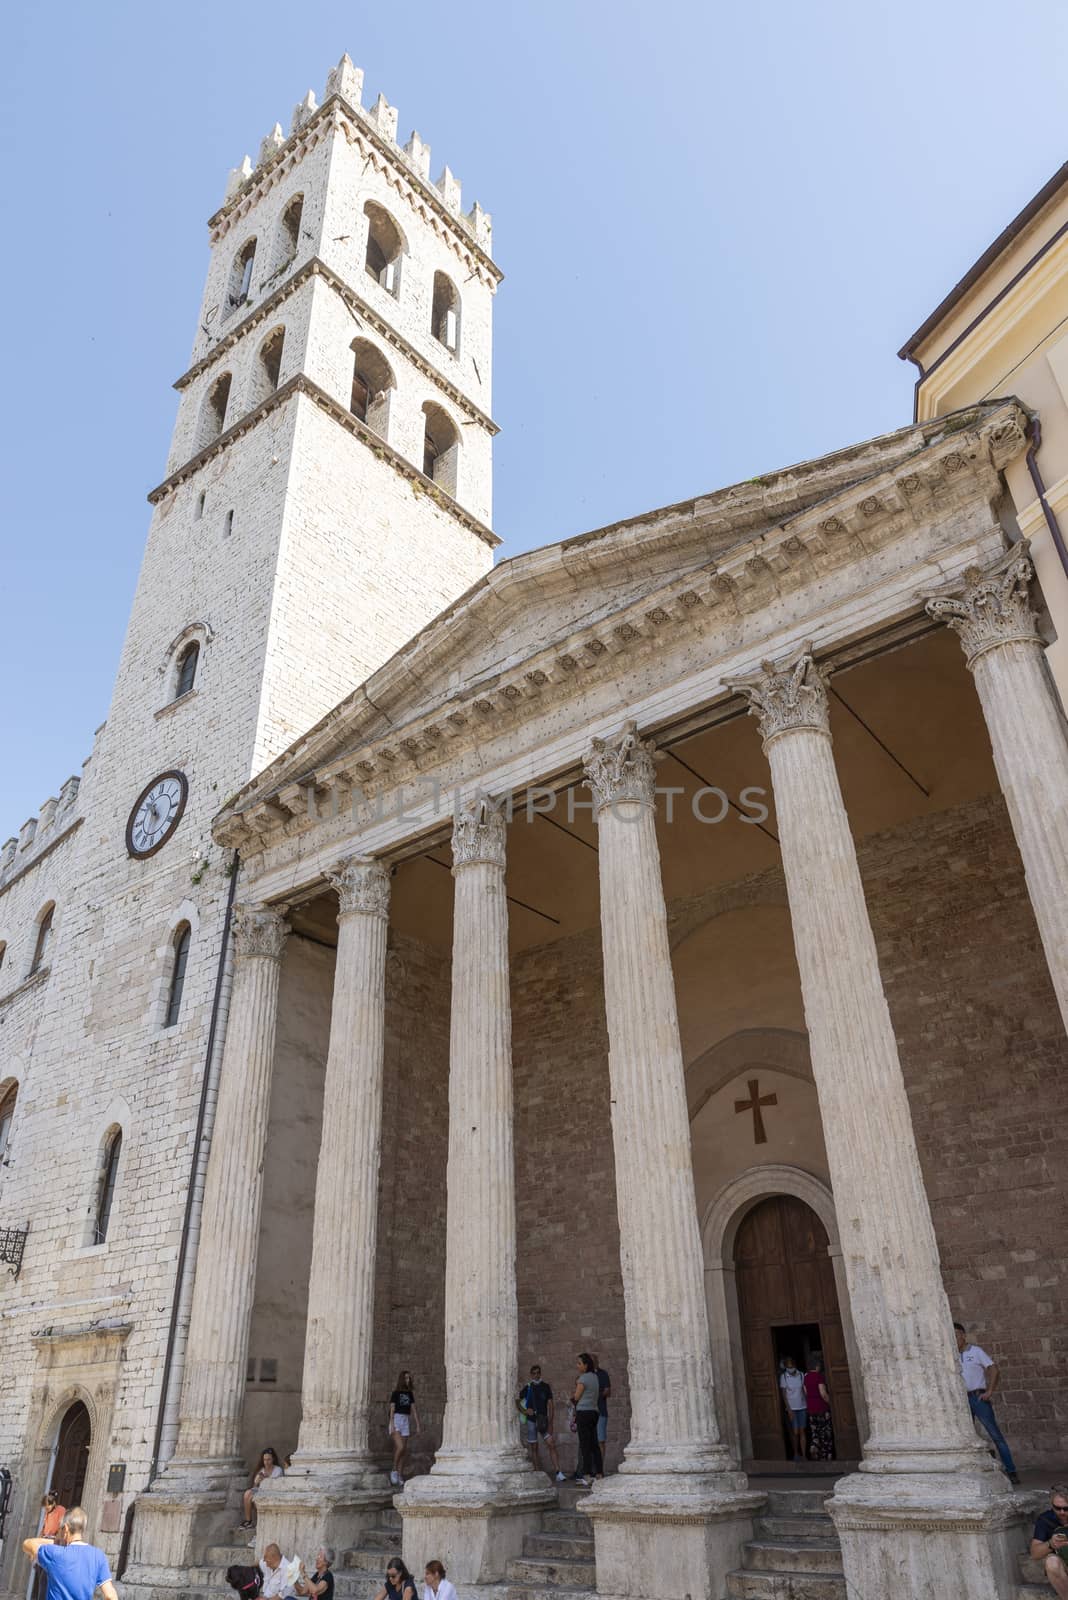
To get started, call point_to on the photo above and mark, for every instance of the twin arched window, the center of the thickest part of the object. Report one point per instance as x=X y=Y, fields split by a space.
x=441 y=447
x=385 y=247
x=7 y=1116
x=241 y=275
x=213 y=417
x=44 y=939
x=105 y=1193
x=187 y=669
x=445 y=313
x=182 y=938
x=372 y=384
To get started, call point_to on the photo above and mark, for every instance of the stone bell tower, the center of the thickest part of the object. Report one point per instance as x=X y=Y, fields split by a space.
x=334 y=438
x=328 y=492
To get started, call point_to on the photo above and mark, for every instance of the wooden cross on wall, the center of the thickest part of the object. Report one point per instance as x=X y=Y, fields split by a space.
x=753 y=1104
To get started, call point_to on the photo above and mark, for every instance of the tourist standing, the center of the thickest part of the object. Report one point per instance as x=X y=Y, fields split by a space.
x=818 y=1406
x=437 y=1585
x=537 y=1409
x=269 y=1467
x=604 y=1390
x=792 y=1384
x=981 y=1378
x=1049 y=1542
x=403 y=1422
x=52 y=1514
x=585 y=1397
x=74 y=1569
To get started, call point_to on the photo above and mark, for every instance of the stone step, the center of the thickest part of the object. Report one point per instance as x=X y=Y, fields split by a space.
x=796 y=1530
x=552 y=1546
x=238 y=1554
x=552 y=1574
x=798 y=1502
x=388 y=1518
x=364 y=1560
x=785 y=1586
x=380 y=1539
x=527 y=1591
x=571 y=1522
x=772 y=1555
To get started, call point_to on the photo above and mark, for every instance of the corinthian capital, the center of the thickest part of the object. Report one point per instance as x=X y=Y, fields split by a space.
x=478 y=833
x=362 y=886
x=258 y=931
x=993 y=608
x=621 y=769
x=788 y=697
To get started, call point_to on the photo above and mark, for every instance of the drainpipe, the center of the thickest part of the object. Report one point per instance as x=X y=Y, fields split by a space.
x=1035 y=434
x=183 y=1279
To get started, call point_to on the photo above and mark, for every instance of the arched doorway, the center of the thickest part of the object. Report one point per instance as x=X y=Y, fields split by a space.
x=788 y=1304
x=72 y=1455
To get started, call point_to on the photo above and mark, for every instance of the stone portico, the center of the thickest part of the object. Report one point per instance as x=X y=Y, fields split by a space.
x=576 y=907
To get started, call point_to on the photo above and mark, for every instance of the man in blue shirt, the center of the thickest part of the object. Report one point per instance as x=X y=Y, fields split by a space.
x=75 y=1570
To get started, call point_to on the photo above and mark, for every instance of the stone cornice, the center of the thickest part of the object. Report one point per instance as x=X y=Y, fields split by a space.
x=41 y=854
x=337 y=115
x=380 y=751
x=315 y=267
x=34 y=981
x=299 y=384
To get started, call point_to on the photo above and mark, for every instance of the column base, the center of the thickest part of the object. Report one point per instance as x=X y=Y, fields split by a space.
x=473 y=1515
x=300 y=1514
x=191 y=1507
x=929 y=1535
x=691 y=1526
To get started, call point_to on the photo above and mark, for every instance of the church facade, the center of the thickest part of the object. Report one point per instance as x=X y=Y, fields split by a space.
x=654 y=944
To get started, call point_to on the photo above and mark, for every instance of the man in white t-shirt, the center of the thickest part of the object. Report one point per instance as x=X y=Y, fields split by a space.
x=792 y=1384
x=981 y=1378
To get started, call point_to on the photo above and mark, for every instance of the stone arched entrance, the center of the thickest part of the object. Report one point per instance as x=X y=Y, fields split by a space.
x=720 y=1227
x=71 y=1464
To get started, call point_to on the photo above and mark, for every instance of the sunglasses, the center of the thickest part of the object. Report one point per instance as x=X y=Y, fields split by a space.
x=1060 y=1508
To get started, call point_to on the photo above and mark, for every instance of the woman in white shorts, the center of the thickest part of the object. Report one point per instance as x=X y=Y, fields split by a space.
x=403 y=1422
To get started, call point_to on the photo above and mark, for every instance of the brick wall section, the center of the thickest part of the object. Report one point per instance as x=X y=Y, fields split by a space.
x=569 y=1284
x=983 y=1052
x=410 y=1266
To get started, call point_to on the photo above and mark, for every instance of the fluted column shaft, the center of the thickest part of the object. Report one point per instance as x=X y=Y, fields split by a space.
x=673 y=1419
x=213 y=1389
x=337 y=1353
x=917 y=1411
x=1004 y=652
x=481 y=1314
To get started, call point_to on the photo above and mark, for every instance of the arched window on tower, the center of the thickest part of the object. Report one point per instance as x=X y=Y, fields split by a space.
x=269 y=364
x=105 y=1192
x=385 y=248
x=441 y=447
x=7 y=1116
x=372 y=387
x=182 y=937
x=241 y=275
x=289 y=230
x=445 y=312
x=213 y=418
x=43 y=945
x=187 y=669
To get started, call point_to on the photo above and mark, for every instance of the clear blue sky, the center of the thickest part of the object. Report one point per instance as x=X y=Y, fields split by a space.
x=718 y=223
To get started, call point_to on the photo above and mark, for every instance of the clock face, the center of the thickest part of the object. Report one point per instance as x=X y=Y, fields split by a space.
x=156 y=813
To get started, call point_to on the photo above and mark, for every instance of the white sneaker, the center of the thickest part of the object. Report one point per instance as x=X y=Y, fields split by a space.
x=394 y=1477
x=560 y=1478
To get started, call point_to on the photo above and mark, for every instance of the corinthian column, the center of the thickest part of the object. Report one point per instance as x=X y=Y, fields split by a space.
x=922 y=1452
x=1003 y=650
x=213 y=1390
x=673 y=1420
x=337 y=1352
x=480 y=1467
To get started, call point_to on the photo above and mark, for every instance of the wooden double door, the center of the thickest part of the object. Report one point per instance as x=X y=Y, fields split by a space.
x=789 y=1305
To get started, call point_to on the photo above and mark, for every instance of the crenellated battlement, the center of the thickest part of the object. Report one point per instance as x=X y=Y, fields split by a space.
x=345 y=83
x=38 y=833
